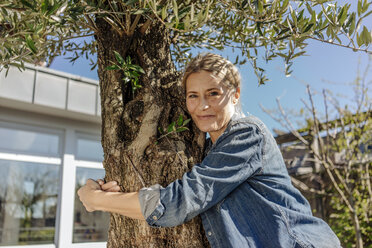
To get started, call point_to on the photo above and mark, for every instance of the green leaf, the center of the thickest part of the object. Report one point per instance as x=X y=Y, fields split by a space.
x=31 y=44
x=283 y=37
x=342 y=15
x=184 y=12
x=119 y=58
x=359 y=7
x=27 y=4
x=134 y=74
x=300 y=15
x=171 y=127
x=206 y=11
x=180 y=120
x=309 y=9
x=370 y=12
x=175 y=8
x=359 y=40
x=319 y=15
x=200 y=17
x=282 y=55
x=185 y=122
x=329 y=31
x=352 y=24
x=365 y=6
x=313 y=18
x=186 y=23
x=55 y=7
x=308 y=27
x=192 y=11
x=285 y=4
x=131 y=2
x=181 y=129
x=294 y=17
x=366 y=36
x=258 y=28
x=284 y=31
x=164 y=12
x=139 y=12
x=128 y=60
x=112 y=67
x=139 y=69
x=260 y=6
x=4 y=11
x=44 y=6
x=298 y=54
x=136 y=68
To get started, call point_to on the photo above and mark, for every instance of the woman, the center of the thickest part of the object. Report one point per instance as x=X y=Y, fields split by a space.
x=241 y=189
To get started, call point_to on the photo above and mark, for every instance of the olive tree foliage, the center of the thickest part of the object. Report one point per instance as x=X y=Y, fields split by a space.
x=39 y=30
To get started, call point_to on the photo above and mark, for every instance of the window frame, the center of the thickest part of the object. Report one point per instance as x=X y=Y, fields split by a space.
x=31 y=157
x=68 y=131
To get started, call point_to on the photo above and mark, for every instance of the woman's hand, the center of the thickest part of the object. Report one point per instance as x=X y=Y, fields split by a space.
x=88 y=194
x=111 y=186
x=98 y=195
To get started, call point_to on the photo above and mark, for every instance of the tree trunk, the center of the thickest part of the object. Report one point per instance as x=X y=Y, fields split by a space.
x=130 y=122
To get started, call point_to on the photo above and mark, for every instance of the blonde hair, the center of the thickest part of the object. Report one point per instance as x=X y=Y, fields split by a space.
x=219 y=67
x=215 y=64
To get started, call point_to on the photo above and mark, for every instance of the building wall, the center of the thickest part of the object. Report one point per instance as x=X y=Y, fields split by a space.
x=49 y=146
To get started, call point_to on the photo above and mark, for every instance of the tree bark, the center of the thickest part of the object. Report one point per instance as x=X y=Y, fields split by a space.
x=130 y=122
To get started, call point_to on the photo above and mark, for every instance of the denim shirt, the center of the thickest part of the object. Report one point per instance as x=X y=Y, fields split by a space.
x=243 y=193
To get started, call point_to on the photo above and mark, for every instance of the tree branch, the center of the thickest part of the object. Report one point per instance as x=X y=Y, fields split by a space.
x=293 y=130
x=134 y=25
x=306 y=188
x=341 y=45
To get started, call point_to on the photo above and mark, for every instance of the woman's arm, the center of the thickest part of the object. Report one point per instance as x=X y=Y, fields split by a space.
x=93 y=198
x=236 y=156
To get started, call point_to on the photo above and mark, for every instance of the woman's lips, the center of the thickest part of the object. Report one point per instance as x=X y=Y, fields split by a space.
x=205 y=117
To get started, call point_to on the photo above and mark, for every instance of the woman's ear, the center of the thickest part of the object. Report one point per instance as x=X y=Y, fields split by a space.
x=236 y=95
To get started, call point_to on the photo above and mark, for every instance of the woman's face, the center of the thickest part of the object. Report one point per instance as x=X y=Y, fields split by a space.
x=210 y=103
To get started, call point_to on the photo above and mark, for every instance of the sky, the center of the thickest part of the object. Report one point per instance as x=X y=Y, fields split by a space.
x=323 y=64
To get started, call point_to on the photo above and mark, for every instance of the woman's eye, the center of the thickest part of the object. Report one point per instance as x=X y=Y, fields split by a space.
x=213 y=93
x=192 y=96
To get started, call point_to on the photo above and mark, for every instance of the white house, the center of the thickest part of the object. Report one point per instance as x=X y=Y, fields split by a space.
x=49 y=145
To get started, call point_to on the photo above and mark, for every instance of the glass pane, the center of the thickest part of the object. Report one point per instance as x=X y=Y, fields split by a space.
x=28 y=141
x=28 y=202
x=89 y=150
x=89 y=227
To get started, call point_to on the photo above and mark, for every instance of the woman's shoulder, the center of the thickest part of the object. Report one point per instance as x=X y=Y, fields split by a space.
x=238 y=122
x=243 y=128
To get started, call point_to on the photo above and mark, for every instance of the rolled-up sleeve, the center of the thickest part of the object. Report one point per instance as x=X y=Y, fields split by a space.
x=149 y=199
x=235 y=157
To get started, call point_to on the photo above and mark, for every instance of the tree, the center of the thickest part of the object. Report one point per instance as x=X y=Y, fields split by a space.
x=137 y=43
x=340 y=147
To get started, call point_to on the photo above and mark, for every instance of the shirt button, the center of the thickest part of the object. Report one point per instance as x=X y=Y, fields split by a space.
x=154 y=218
x=209 y=233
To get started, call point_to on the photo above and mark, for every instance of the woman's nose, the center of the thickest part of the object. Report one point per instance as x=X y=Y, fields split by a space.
x=203 y=104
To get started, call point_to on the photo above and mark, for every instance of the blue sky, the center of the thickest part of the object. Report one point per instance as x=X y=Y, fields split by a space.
x=323 y=63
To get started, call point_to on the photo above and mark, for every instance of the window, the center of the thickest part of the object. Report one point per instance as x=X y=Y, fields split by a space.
x=29 y=186
x=88 y=149
x=28 y=200
x=28 y=142
x=88 y=227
